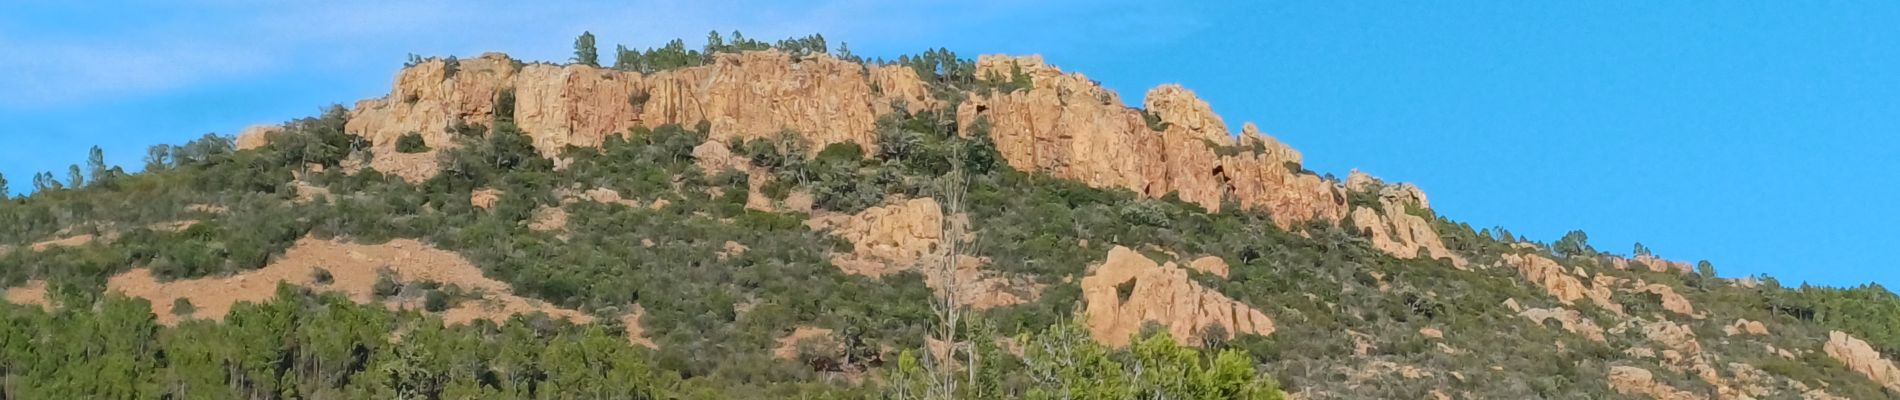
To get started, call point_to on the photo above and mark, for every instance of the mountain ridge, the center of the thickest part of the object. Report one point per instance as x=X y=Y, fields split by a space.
x=815 y=212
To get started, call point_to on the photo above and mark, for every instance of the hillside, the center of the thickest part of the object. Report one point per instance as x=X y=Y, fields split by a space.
x=778 y=220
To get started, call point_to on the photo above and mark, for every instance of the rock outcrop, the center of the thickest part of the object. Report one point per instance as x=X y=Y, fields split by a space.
x=1210 y=264
x=1660 y=265
x=484 y=198
x=1572 y=321
x=1392 y=227
x=1746 y=327
x=1567 y=288
x=1637 y=381
x=744 y=95
x=1128 y=289
x=909 y=235
x=1064 y=124
x=1070 y=127
x=1861 y=357
x=256 y=136
x=1671 y=301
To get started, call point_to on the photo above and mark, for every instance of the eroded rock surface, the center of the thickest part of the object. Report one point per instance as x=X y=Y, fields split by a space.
x=1064 y=124
x=256 y=136
x=1745 y=327
x=1567 y=288
x=1638 y=381
x=1070 y=127
x=1671 y=301
x=908 y=235
x=1660 y=265
x=745 y=95
x=1392 y=227
x=1862 y=358
x=1572 y=321
x=1129 y=289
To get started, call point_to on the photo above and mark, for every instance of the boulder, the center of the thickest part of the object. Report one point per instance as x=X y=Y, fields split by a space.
x=1572 y=321
x=1861 y=358
x=1637 y=381
x=1744 y=326
x=1128 y=290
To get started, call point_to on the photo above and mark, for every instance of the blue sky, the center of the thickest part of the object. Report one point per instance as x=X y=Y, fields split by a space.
x=1757 y=135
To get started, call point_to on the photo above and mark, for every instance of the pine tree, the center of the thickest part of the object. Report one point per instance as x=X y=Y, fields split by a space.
x=74 y=177
x=43 y=181
x=1575 y=243
x=96 y=163
x=584 y=51
x=626 y=59
x=714 y=43
x=5 y=192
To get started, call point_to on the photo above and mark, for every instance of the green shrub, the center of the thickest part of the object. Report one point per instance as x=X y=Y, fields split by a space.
x=386 y=283
x=411 y=143
x=321 y=276
x=182 y=306
x=435 y=301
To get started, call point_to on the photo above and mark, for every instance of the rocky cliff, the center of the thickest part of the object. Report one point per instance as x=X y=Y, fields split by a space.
x=1070 y=127
x=1063 y=124
x=745 y=95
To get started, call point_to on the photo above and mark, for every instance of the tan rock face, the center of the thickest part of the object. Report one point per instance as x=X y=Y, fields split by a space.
x=1681 y=350
x=1162 y=293
x=484 y=198
x=1746 y=327
x=1210 y=264
x=1672 y=301
x=256 y=136
x=1065 y=125
x=901 y=233
x=1637 y=381
x=1567 y=288
x=1070 y=127
x=1862 y=358
x=1180 y=108
x=1661 y=265
x=748 y=95
x=909 y=236
x=1392 y=228
x=1572 y=321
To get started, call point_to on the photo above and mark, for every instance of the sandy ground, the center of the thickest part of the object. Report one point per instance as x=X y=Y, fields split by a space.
x=33 y=293
x=70 y=241
x=354 y=270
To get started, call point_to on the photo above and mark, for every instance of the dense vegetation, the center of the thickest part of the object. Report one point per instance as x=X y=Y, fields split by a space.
x=1348 y=315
